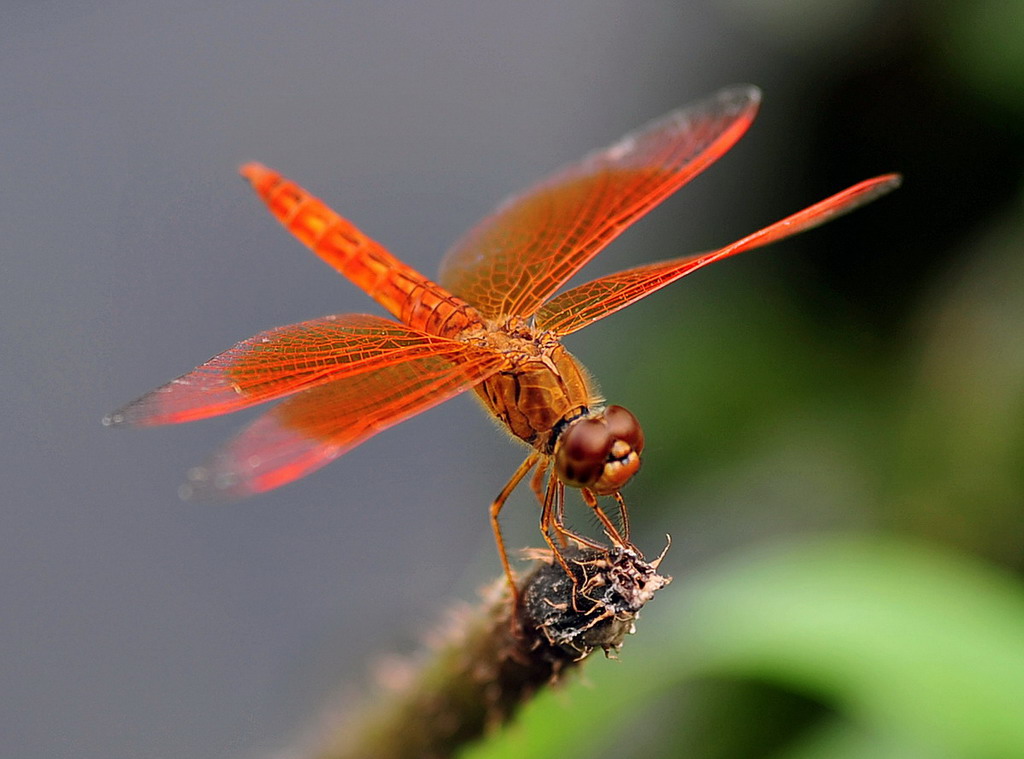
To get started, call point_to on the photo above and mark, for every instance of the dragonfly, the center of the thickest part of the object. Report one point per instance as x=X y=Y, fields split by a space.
x=492 y=323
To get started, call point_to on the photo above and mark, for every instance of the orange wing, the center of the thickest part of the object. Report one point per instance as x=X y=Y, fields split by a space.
x=285 y=360
x=583 y=305
x=519 y=256
x=317 y=426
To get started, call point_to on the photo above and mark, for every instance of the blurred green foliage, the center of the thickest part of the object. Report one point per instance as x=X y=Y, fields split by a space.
x=846 y=492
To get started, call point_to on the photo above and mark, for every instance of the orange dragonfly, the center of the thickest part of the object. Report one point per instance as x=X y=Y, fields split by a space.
x=489 y=324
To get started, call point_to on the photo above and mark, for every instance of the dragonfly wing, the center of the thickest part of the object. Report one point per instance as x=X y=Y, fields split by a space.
x=583 y=305
x=315 y=427
x=516 y=258
x=283 y=361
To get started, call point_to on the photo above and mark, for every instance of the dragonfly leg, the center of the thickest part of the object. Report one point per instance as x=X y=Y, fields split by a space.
x=555 y=514
x=537 y=482
x=556 y=522
x=613 y=533
x=553 y=520
x=552 y=528
x=623 y=516
x=495 y=510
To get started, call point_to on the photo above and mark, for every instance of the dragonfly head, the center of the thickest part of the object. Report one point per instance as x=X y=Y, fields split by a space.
x=600 y=452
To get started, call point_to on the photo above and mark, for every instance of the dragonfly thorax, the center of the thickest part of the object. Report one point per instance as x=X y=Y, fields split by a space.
x=542 y=387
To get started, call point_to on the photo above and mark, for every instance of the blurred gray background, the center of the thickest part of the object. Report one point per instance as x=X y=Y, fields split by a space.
x=135 y=625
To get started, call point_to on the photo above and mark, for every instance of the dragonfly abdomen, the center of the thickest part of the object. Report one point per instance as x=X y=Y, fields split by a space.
x=403 y=291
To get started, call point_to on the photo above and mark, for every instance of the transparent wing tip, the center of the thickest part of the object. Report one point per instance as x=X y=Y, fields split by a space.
x=205 y=484
x=125 y=416
x=741 y=93
x=142 y=412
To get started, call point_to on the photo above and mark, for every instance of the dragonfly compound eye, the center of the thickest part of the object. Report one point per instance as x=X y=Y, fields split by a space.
x=583 y=451
x=623 y=461
x=622 y=425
